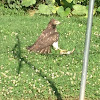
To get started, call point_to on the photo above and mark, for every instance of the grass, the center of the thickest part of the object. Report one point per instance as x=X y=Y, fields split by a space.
x=46 y=77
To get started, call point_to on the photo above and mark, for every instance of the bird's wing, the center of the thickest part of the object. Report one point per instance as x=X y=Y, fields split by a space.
x=45 y=41
x=45 y=50
x=45 y=34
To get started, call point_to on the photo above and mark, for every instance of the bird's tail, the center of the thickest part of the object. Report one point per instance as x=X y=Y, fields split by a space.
x=30 y=48
x=62 y=52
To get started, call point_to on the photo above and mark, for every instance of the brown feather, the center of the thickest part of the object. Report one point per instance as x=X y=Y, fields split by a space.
x=46 y=39
x=42 y=50
x=45 y=50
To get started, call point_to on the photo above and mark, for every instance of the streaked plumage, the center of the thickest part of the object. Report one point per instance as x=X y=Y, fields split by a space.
x=46 y=39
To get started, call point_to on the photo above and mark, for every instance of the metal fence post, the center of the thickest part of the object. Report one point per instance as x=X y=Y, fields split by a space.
x=86 y=50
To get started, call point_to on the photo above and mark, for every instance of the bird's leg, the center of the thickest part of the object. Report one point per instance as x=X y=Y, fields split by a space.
x=66 y=52
x=56 y=47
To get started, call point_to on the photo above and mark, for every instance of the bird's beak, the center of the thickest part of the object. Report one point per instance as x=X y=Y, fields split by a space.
x=57 y=22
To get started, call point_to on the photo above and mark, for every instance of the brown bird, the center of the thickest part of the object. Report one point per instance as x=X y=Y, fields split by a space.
x=48 y=38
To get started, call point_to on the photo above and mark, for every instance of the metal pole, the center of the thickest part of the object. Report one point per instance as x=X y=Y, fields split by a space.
x=86 y=51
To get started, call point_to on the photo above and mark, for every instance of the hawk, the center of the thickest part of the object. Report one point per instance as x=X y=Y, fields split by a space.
x=48 y=38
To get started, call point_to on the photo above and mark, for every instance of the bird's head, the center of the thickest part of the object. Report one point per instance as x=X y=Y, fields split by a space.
x=53 y=23
x=56 y=22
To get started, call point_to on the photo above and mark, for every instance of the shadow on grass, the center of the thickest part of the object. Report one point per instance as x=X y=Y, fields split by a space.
x=17 y=55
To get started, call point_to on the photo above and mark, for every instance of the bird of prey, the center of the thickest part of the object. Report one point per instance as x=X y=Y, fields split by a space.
x=48 y=38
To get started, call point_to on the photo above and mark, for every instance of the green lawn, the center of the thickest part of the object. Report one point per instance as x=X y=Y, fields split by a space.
x=52 y=76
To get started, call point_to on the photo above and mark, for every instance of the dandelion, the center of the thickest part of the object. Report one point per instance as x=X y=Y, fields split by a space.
x=30 y=91
x=44 y=77
x=13 y=81
x=10 y=88
x=35 y=94
x=91 y=76
x=38 y=90
x=97 y=92
x=7 y=92
x=47 y=82
x=26 y=97
x=54 y=92
x=71 y=79
x=62 y=72
x=39 y=79
x=27 y=75
x=4 y=94
x=21 y=72
x=72 y=82
x=16 y=85
x=37 y=70
x=1 y=67
x=5 y=37
x=1 y=30
x=67 y=73
x=50 y=91
x=34 y=87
